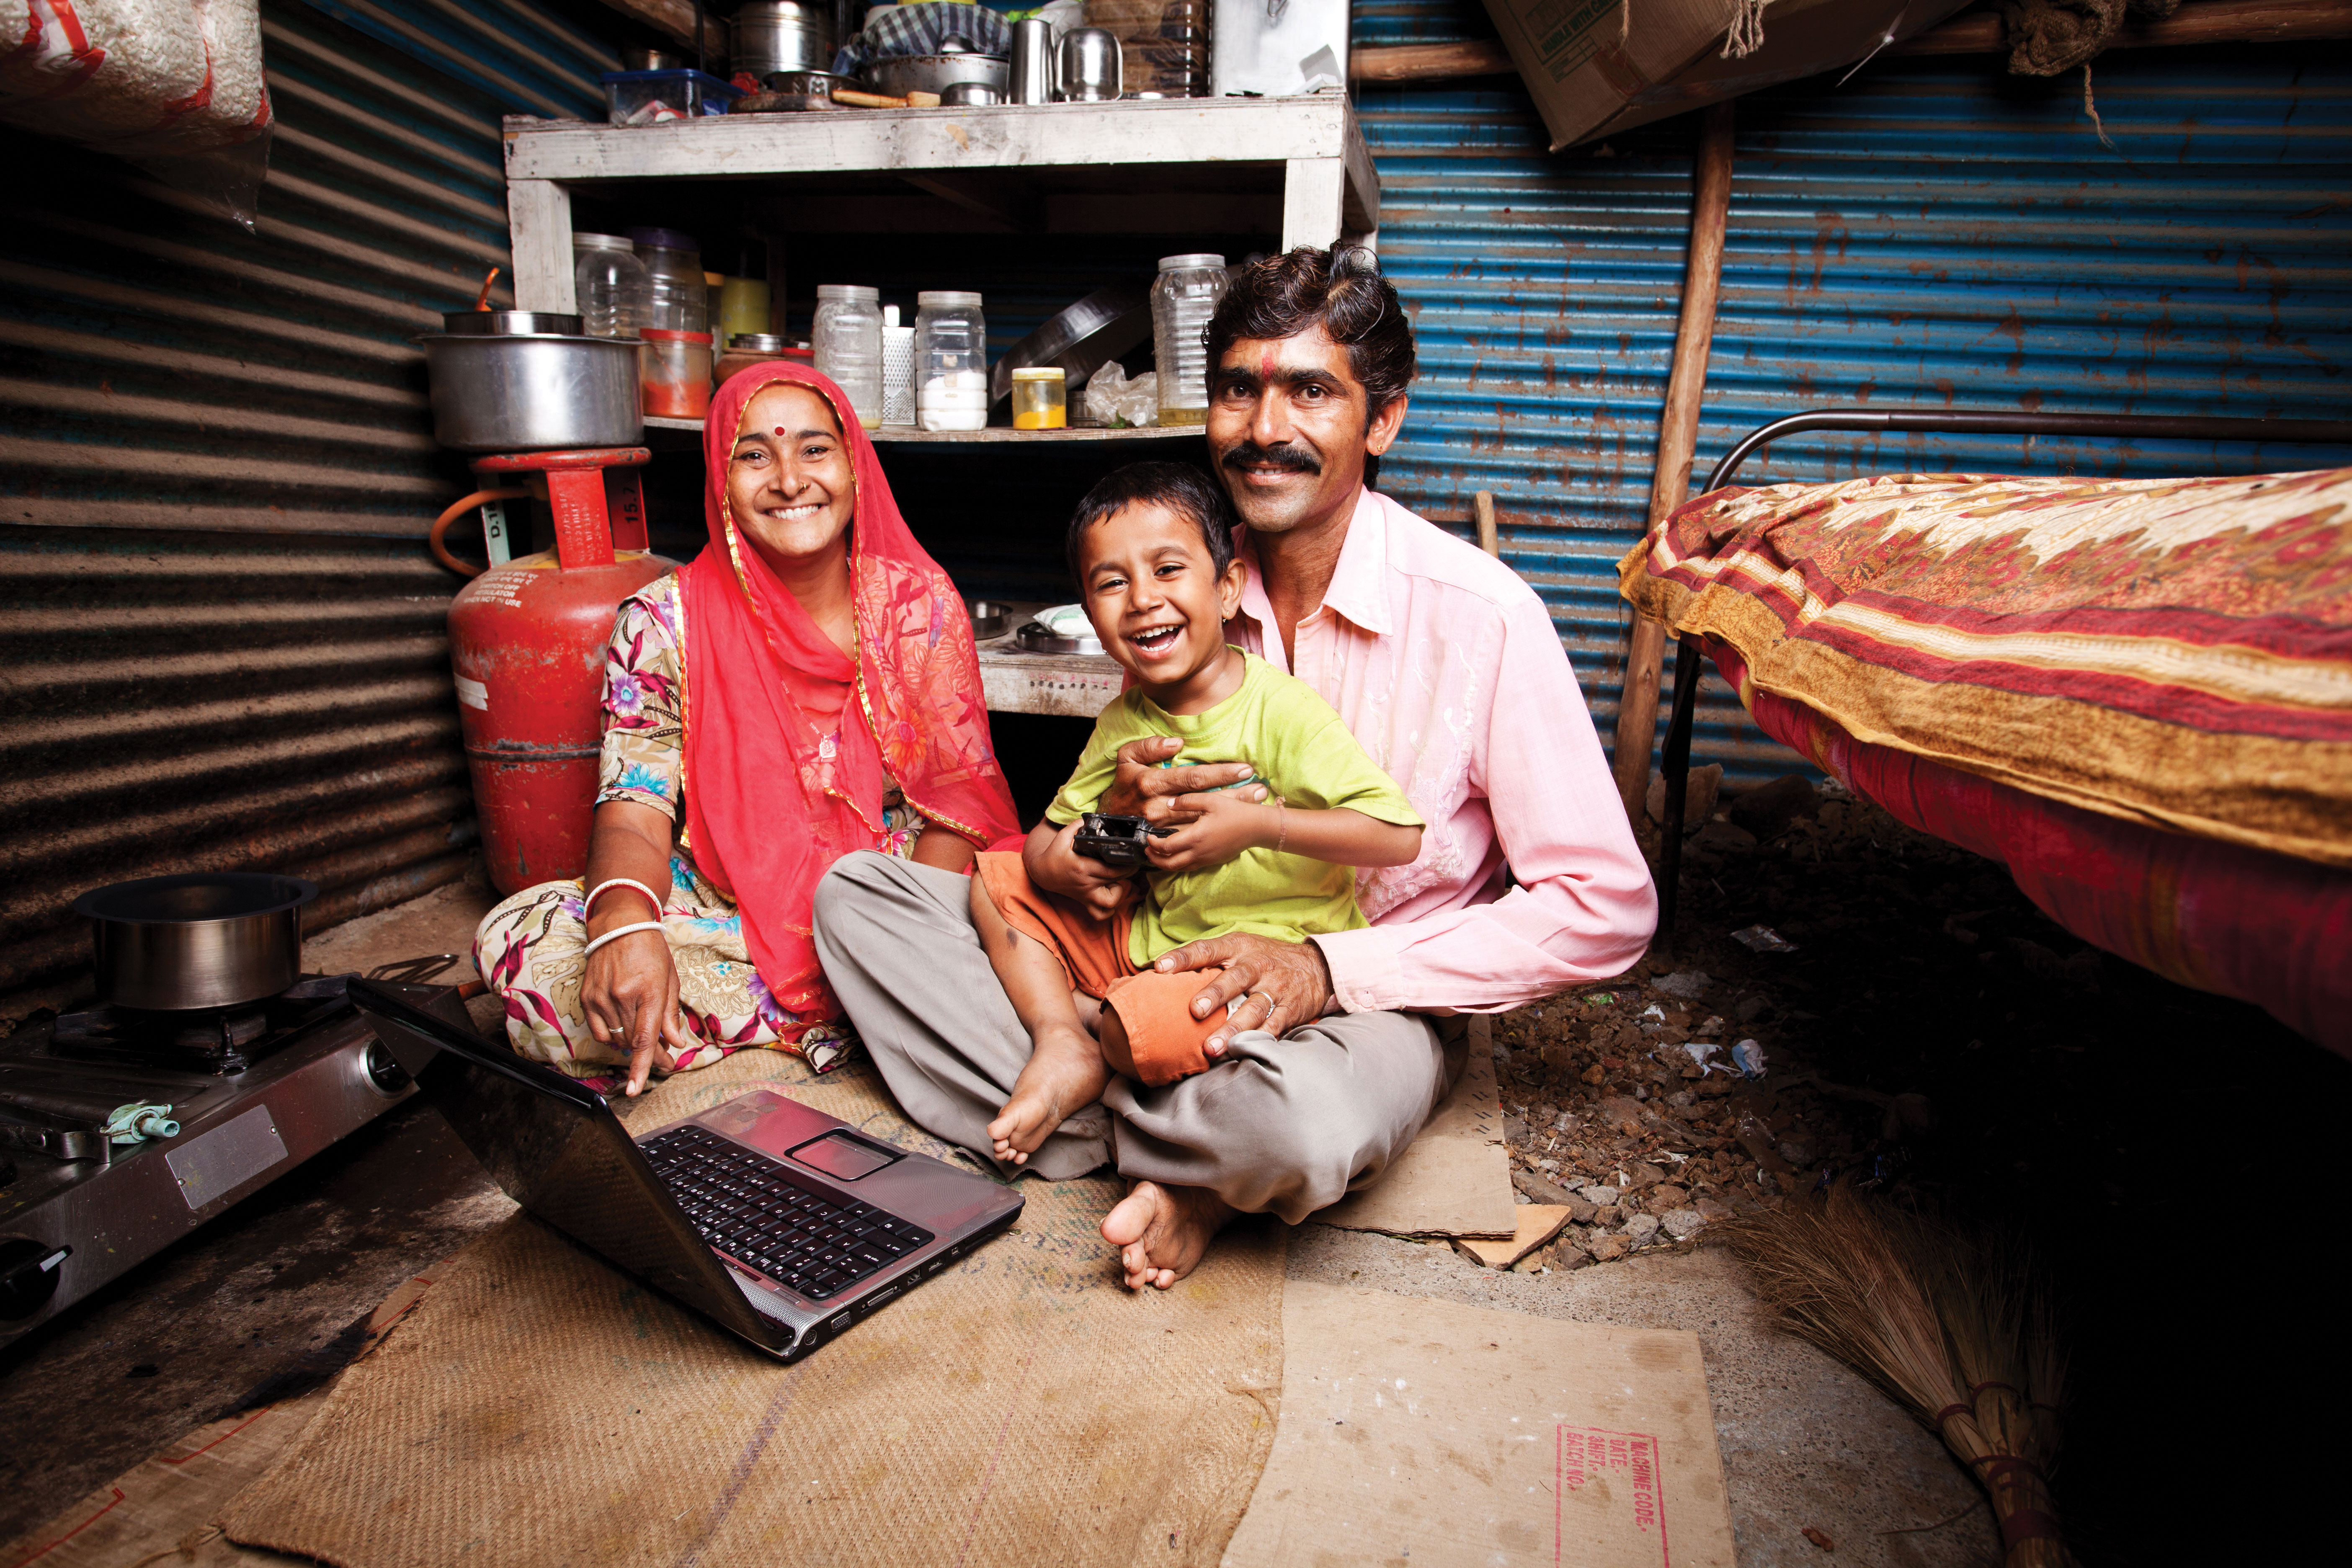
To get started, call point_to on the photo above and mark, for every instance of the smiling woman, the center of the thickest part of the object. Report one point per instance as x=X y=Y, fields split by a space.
x=831 y=703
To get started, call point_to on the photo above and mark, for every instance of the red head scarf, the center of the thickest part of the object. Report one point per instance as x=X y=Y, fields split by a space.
x=769 y=806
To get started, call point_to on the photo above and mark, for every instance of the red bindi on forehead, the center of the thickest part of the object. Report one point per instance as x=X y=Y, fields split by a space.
x=780 y=429
x=1265 y=364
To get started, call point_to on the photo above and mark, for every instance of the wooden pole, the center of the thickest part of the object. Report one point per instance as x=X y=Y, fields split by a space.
x=1482 y=507
x=1637 y=709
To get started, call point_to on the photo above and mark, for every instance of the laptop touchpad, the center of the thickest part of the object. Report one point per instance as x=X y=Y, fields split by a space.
x=844 y=1157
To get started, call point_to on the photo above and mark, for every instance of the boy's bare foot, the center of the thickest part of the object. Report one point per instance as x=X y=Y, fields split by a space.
x=1065 y=1074
x=1162 y=1233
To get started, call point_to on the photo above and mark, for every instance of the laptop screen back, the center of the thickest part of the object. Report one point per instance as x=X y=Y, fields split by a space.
x=559 y=1151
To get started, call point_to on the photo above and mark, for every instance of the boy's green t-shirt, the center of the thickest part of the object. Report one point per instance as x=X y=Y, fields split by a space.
x=1302 y=752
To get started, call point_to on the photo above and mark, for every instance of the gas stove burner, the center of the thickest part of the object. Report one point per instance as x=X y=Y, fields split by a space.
x=229 y=1029
x=217 y=1040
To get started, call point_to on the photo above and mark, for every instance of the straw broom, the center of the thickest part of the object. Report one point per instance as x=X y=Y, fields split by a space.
x=1952 y=1329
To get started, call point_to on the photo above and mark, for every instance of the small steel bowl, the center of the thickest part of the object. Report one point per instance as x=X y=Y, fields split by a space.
x=990 y=618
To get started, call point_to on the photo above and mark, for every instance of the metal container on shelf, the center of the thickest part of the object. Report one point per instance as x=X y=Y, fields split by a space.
x=1081 y=338
x=1091 y=70
x=1032 y=77
x=519 y=381
x=783 y=36
x=902 y=74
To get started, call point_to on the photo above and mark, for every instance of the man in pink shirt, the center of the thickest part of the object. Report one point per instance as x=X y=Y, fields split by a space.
x=1447 y=669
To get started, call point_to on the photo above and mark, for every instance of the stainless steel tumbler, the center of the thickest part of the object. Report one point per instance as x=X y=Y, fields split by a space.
x=1032 y=62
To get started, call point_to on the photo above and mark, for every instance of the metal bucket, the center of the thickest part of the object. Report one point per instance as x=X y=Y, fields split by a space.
x=532 y=390
x=205 y=939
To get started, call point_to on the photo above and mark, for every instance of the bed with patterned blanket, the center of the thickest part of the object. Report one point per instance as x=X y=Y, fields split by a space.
x=2138 y=694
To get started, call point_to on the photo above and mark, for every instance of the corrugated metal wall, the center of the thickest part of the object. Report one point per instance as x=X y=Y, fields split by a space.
x=223 y=641
x=1934 y=232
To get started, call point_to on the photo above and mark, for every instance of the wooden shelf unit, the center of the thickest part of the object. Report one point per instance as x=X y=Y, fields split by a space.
x=979 y=158
x=1005 y=164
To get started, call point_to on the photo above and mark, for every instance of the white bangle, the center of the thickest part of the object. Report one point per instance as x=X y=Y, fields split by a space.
x=607 y=885
x=619 y=932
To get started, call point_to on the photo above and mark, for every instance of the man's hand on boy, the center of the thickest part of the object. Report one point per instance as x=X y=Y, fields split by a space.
x=1273 y=985
x=1141 y=787
x=1220 y=827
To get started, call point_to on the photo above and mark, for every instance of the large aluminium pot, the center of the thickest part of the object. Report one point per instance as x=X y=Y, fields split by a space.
x=901 y=74
x=524 y=380
x=205 y=939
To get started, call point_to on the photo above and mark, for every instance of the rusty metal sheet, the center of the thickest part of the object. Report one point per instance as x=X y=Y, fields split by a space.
x=224 y=644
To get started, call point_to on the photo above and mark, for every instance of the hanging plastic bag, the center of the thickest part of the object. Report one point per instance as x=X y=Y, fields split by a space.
x=175 y=86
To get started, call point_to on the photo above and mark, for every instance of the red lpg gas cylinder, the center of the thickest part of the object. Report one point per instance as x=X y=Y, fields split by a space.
x=527 y=643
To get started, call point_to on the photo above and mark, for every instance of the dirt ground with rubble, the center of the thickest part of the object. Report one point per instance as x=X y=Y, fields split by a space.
x=1920 y=1027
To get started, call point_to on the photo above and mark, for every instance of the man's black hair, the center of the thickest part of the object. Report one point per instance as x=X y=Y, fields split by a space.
x=1181 y=488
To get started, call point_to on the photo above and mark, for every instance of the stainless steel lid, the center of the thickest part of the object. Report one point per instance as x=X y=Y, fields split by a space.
x=598 y=242
x=758 y=342
x=509 y=324
x=1188 y=262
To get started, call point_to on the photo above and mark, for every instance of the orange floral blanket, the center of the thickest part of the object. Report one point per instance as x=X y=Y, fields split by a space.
x=2176 y=653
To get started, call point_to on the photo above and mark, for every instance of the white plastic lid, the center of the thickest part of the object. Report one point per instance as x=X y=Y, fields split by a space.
x=947 y=299
x=858 y=292
x=890 y=316
x=601 y=242
x=1187 y=263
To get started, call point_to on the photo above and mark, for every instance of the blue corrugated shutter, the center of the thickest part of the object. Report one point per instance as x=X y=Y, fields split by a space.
x=1934 y=232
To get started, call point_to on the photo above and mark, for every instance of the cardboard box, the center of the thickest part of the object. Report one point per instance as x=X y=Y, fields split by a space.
x=1591 y=75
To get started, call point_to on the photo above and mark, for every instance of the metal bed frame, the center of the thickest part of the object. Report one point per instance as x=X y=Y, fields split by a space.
x=1691 y=659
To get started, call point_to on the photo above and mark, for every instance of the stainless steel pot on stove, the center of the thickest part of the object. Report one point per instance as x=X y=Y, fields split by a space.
x=204 y=938
x=523 y=381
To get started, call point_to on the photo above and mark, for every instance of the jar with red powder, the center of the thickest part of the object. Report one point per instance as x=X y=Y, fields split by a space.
x=675 y=369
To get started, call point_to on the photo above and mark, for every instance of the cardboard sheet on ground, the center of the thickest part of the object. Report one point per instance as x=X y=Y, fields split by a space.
x=1425 y=1432
x=1455 y=1179
x=539 y=1407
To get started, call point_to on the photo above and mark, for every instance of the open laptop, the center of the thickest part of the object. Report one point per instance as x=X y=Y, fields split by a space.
x=780 y=1224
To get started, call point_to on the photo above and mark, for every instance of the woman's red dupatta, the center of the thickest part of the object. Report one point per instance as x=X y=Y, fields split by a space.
x=769 y=808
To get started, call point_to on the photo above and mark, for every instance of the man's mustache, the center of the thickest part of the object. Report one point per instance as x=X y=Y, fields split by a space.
x=1281 y=454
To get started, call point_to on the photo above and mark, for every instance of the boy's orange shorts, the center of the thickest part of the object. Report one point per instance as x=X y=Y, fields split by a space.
x=1156 y=1009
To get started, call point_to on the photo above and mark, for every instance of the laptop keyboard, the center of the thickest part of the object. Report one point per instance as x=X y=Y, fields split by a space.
x=746 y=1207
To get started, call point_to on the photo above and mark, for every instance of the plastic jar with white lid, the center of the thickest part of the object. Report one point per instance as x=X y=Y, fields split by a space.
x=610 y=284
x=848 y=342
x=951 y=361
x=1183 y=297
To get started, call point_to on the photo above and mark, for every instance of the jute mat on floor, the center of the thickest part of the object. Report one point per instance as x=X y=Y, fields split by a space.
x=538 y=1407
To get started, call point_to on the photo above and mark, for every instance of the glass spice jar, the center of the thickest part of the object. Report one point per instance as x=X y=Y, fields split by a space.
x=674 y=369
x=1040 y=398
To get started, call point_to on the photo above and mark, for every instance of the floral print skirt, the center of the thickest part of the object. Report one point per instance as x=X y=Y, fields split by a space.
x=528 y=949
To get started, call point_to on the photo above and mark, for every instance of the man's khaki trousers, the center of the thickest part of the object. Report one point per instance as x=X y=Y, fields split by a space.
x=1285 y=1126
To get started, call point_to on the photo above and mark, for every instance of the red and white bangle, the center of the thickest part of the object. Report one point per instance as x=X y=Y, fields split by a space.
x=619 y=932
x=607 y=885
